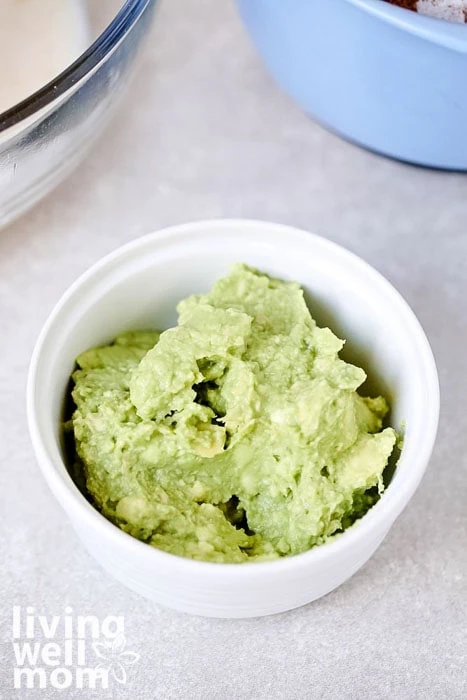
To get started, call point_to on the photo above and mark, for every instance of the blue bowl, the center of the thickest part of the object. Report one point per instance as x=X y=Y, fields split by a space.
x=388 y=79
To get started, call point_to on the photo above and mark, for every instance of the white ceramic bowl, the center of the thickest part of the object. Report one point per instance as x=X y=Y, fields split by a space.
x=139 y=286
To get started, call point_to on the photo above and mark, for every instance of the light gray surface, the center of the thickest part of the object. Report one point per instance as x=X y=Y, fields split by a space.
x=205 y=133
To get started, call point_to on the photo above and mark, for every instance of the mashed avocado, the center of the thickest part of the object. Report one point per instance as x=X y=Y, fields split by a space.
x=237 y=435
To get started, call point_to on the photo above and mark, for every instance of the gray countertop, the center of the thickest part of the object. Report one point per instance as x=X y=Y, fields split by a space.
x=205 y=132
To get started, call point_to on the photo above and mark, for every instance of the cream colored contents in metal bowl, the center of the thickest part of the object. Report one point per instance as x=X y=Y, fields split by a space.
x=38 y=40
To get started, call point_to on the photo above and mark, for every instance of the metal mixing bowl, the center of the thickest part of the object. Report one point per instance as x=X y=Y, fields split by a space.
x=46 y=135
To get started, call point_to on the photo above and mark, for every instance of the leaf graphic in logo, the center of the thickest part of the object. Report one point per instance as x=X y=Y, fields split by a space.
x=101 y=649
x=129 y=657
x=115 y=658
x=118 y=671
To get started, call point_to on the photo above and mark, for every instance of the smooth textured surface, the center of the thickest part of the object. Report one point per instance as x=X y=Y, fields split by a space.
x=213 y=136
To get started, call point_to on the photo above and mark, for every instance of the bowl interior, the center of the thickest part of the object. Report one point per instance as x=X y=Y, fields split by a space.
x=140 y=286
x=87 y=34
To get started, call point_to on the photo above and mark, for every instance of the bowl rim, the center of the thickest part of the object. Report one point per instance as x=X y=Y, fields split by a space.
x=97 y=52
x=451 y=35
x=386 y=510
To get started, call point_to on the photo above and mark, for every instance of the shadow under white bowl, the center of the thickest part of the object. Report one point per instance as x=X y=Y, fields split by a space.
x=139 y=286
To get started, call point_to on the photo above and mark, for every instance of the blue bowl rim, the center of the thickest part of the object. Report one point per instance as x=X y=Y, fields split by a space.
x=127 y=16
x=447 y=34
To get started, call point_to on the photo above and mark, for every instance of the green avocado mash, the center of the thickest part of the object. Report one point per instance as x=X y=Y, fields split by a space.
x=237 y=435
